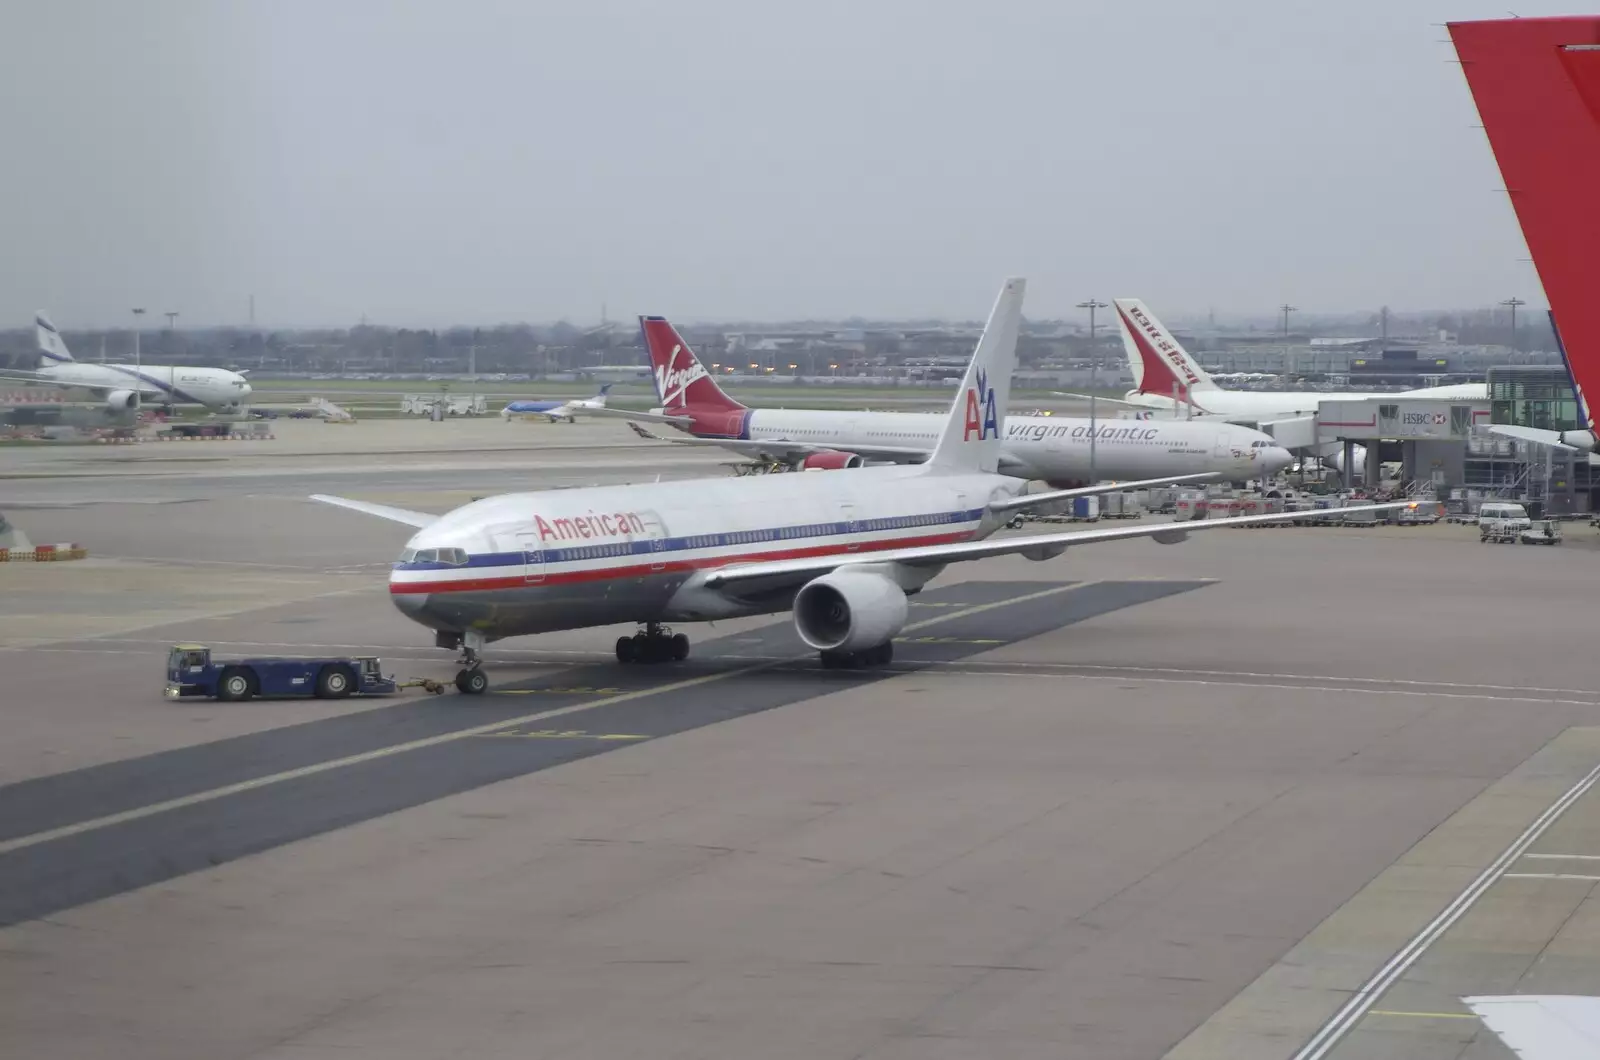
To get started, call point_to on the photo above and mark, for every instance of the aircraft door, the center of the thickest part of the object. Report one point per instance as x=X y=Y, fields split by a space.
x=1222 y=448
x=847 y=515
x=656 y=534
x=532 y=558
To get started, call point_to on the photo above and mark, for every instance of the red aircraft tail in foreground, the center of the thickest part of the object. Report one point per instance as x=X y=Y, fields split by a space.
x=1536 y=82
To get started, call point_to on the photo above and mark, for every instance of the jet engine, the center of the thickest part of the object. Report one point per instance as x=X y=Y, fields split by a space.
x=122 y=400
x=849 y=611
x=830 y=460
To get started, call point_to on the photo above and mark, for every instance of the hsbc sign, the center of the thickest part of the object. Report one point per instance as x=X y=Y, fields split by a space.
x=1424 y=419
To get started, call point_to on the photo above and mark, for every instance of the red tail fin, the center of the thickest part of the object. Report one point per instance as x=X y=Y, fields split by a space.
x=681 y=380
x=1536 y=82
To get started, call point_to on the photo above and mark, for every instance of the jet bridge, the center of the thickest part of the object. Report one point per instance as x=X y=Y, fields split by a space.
x=1432 y=434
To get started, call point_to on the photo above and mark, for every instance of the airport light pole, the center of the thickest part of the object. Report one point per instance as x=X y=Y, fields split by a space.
x=137 y=314
x=1288 y=362
x=1512 y=303
x=1094 y=380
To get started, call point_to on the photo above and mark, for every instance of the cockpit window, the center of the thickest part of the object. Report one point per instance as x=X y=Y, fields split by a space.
x=455 y=557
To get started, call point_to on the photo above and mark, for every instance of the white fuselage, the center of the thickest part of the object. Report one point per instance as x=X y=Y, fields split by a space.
x=1263 y=406
x=524 y=563
x=1050 y=448
x=215 y=388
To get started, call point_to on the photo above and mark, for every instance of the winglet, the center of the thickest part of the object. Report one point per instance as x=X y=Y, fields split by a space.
x=975 y=428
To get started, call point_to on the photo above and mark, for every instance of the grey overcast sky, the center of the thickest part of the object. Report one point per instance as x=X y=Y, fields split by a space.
x=428 y=163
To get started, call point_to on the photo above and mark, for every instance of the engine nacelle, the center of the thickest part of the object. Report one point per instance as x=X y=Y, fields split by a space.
x=831 y=460
x=849 y=611
x=122 y=400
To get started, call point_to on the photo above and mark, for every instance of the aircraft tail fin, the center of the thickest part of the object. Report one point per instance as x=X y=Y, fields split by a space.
x=680 y=379
x=1160 y=364
x=1536 y=83
x=975 y=428
x=1566 y=362
x=52 y=349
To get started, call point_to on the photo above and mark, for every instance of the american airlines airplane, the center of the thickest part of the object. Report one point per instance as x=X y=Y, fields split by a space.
x=557 y=410
x=1166 y=377
x=1051 y=449
x=842 y=551
x=125 y=387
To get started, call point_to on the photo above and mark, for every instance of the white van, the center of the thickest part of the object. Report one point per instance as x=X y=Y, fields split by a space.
x=1502 y=521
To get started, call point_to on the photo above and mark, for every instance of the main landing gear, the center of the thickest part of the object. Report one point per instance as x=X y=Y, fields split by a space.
x=881 y=655
x=653 y=644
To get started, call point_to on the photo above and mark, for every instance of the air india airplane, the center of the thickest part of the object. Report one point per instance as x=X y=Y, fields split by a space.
x=841 y=551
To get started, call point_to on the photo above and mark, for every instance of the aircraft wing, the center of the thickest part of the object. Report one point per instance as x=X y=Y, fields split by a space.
x=382 y=511
x=1033 y=500
x=790 y=451
x=1543 y=1026
x=1033 y=546
x=1531 y=434
x=22 y=375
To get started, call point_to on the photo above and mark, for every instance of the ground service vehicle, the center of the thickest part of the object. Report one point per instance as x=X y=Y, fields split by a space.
x=192 y=672
x=1500 y=521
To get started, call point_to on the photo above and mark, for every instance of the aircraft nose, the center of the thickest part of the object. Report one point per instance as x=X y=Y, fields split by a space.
x=413 y=605
x=1275 y=458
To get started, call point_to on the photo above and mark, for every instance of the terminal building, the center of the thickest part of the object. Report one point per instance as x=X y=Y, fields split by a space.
x=1563 y=481
x=1446 y=447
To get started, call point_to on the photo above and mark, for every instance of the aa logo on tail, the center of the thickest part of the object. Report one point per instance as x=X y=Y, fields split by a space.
x=982 y=418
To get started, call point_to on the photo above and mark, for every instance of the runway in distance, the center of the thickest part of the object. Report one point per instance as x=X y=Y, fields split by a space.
x=841 y=550
x=1051 y=449
x=1167 y=378
x=558 y=410
x=124 y=387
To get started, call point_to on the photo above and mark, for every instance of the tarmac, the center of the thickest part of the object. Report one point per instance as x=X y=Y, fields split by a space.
x=1133 y=802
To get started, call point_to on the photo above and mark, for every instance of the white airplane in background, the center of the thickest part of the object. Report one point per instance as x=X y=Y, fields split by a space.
x=124 y=387
x=557 y=410
x=1051 y=449
x=841 y=551
x=1167 y=378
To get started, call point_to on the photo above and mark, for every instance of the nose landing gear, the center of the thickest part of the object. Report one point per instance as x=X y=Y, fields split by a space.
x=470 y=679
x=653 y=644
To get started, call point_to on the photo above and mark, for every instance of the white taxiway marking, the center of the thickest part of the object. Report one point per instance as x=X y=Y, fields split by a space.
x=198 y=797
x=1548 y=876
x=1563 y=857
x=1357 y=1007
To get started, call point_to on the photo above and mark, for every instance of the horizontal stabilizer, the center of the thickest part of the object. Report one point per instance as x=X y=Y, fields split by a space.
x=382 y=511
x=1034 y=500
x=642 y=417
x=1095 y=397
